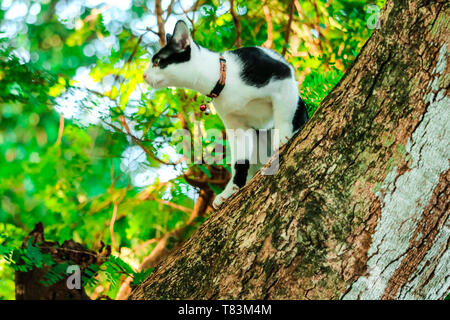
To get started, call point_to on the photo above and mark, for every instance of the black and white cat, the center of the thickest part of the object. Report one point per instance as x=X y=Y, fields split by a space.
x=260 y=91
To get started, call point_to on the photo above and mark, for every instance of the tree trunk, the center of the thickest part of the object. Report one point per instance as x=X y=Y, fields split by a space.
x=359 y=207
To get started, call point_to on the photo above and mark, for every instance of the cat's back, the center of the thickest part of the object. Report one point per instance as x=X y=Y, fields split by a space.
x=259 y=65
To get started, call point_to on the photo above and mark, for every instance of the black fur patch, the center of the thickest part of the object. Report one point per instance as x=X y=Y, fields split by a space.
x=241 y=171
x=300 y=116
x=168 y=55
x=259 y=67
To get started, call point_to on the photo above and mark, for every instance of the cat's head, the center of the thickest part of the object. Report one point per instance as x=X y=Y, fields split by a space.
x=172 y=60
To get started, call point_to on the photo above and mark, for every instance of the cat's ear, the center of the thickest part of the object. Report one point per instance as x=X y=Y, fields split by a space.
x=168 y=37
x=181 y=38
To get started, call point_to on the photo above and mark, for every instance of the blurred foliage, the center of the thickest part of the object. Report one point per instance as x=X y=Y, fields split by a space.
x=113 y=163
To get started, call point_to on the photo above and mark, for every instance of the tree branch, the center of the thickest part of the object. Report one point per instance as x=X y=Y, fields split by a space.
x=237 y=25
x=160 y=22
x=288 y=28
x=140 y=144
x=111 y=227
x=269 y=41
x=169 y=10
x=61 y=129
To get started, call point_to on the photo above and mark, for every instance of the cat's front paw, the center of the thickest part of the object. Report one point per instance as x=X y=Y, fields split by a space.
x=224 y=195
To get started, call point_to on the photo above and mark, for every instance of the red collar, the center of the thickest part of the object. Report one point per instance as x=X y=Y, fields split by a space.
x=221 y=82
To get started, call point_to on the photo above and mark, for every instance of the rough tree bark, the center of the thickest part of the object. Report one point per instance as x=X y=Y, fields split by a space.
x=359 y=207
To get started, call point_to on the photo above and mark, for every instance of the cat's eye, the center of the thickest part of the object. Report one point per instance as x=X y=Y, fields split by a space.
x=155 y=63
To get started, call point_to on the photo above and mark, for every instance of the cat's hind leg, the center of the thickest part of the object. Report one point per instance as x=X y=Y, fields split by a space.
x=284 y=106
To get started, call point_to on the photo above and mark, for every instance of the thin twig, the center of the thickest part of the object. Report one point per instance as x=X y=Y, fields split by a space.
x=152 y=31
x=95 y=12
x=269 y=41
x=146 y=243
x=169 y=10
x=130 y=58
x=160 y=22
x=61 y=129
x=288 y=28
x=237 y=25
x=317 y=25
x=111 y=227
x=299 y=9
x=173 y=205
x=139 y=143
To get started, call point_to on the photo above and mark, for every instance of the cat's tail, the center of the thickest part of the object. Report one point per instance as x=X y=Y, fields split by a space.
x=300 y=116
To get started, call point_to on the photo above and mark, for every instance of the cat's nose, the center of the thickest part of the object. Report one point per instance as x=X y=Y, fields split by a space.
x=144 y=76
